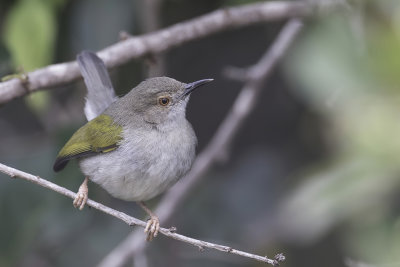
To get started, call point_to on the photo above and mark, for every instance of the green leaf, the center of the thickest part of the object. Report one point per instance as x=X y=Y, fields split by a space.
x=30 y=33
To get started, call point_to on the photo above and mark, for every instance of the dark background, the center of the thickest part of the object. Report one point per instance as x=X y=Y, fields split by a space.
x=313 y=173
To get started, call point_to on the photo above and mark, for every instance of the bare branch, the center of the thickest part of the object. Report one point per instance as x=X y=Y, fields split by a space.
x=243 y=105
x=14 y=173
x=159 y=41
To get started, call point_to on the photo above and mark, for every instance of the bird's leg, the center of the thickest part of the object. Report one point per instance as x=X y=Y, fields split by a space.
x=82 y=195
x=153 y=224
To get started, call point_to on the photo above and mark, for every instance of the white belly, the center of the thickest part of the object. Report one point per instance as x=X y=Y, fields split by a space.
x=143 y=166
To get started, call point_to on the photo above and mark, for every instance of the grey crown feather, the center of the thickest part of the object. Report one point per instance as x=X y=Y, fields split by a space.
x=100 y=90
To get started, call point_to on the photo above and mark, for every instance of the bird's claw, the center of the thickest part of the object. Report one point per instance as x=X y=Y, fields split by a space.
x=152 y=228
x=81 y=197
x=80 y=200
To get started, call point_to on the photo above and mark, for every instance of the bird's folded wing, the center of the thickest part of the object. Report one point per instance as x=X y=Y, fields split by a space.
x=99 y=135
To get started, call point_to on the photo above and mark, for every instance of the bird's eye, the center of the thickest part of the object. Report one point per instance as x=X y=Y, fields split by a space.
x=163 y=100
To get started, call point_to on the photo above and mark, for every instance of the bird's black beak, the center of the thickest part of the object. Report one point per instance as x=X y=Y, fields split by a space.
x=189 y=88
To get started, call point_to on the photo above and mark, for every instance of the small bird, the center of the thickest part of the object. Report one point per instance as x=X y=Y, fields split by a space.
x=136 y=146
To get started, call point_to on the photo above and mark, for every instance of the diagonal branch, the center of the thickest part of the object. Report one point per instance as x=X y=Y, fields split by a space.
x=14 y=173
x=245 y=102
x=157 y=42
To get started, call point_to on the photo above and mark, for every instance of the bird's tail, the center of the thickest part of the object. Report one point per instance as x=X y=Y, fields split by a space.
x=100 y=90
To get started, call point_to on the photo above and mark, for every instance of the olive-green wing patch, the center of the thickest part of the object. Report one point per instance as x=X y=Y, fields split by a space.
x=99 y=135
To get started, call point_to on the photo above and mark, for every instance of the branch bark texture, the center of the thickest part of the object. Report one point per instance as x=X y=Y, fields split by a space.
x=157 y=42
x=245 y=102
x=14 y=173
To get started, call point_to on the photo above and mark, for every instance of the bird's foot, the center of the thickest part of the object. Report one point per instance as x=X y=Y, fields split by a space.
x=153 y=224
x=82 y=195
x=152 y=228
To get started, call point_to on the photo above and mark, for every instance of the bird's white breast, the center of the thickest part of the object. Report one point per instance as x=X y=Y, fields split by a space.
x=144 y=165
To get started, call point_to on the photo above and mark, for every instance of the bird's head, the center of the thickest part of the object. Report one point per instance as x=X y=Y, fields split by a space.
x=161 y=99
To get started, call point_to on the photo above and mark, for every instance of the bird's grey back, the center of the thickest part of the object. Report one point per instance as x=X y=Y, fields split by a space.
x=100 y=90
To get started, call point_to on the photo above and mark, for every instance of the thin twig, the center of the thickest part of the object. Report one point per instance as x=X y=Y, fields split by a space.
x=159 y=41
x=243 y=105
x=14 y=173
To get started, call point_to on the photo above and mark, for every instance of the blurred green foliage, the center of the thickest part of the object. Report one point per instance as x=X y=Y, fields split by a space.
x=30 y=33
x=348 y=69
